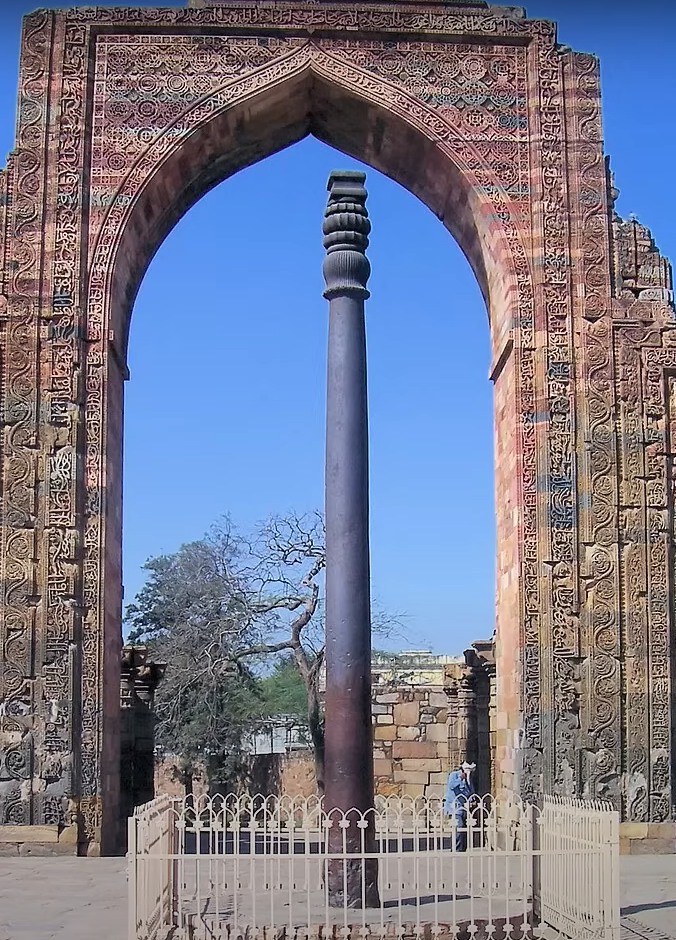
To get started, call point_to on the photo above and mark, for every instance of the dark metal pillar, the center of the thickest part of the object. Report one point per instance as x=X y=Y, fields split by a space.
x=348 y=730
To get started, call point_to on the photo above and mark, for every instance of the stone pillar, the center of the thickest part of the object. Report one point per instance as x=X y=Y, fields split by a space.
x=138 y=682
x=461 y=717
x=482 y=757
x=467 y=719
x=348 y=732
x=492 y=727
x=480 y=660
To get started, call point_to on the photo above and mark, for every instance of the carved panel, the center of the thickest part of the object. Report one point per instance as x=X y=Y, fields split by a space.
x=658 y=372
x=599 y=571
x=25 y=182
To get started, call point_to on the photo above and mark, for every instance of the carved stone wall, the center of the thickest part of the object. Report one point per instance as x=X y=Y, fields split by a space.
x=126 y=117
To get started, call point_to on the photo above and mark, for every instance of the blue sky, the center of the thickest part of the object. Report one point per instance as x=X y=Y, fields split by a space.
x=225 y=406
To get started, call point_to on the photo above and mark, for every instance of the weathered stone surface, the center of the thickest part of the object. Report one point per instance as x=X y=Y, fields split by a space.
x=666 y=830
x=411 y=776
x=651 y=847
x=412 y=789
x=407 y=713
x=382 y=768
x=648 y=838
x=413 y=749
x=437 y=732
x=430 y=765
x=435 y=791
x=29 y=833
x=49 y=849
x=69 y=835
x=634 y=830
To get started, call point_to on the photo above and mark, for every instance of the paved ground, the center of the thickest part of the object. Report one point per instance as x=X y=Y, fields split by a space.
x=86 y=899
x=64 y=898
x=648 y=896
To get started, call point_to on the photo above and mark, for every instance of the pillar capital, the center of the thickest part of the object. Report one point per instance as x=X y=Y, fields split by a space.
x=346 y=229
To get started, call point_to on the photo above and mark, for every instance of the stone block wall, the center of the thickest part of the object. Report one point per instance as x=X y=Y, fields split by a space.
x=297 y=774
x=168 y=782
x=292 y=774
x=647 y=838
x=411 y=746
x=430 y=713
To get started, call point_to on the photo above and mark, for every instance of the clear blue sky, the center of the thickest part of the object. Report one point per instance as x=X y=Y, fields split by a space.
x=225 y=406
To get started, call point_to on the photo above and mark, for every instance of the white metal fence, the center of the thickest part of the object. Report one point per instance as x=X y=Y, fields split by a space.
x=256 y=868
x=577 y=873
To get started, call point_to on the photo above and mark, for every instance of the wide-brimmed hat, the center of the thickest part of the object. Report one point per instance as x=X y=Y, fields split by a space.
x=466 y=766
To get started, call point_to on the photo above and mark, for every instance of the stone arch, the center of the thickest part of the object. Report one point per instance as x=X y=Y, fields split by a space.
x=307 y=91
x=304 y=90
x=582 y=330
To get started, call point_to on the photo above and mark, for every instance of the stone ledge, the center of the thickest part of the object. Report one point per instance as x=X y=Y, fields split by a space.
x=21 y=834
x=647 y=838
x=37 y=849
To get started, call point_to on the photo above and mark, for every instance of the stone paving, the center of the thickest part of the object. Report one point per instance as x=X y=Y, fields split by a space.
x=648 y=896
x=86 y=898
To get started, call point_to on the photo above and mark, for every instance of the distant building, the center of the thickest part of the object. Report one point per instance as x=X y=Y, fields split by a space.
x=407 y=667
x=284 y=734
x=412 y=667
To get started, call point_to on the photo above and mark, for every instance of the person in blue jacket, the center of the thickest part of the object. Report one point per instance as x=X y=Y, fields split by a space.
x=459 y=789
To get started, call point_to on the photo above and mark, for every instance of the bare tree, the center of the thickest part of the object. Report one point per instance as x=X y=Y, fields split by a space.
x=287 y=561
x=225 y=602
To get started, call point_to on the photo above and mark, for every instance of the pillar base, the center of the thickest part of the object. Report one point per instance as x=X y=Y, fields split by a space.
x=353 y=883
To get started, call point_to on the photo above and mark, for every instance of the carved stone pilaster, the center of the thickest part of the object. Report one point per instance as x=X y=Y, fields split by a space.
x=461 y=717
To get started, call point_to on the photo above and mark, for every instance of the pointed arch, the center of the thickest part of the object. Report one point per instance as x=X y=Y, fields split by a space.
x=305 y=91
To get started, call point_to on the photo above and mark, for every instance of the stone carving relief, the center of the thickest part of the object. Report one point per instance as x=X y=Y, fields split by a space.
x=640 y=272
x=108 y=98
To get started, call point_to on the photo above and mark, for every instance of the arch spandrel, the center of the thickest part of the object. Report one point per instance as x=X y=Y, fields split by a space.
x=303 y=88
x=497 y=129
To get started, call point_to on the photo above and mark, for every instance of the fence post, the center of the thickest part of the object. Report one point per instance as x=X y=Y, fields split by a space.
x=612 y=866
x=172 y=850
x=536 y=858
x=131 y=878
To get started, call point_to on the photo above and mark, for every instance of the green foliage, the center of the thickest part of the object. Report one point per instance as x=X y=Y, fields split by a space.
x=283 y=691
x=206 y=722
x=219 y=603
x=214 y=610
